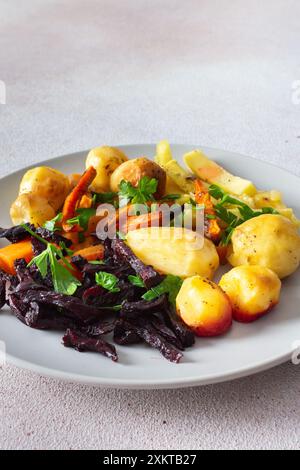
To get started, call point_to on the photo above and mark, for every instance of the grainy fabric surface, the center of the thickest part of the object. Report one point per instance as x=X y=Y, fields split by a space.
x=215 y=72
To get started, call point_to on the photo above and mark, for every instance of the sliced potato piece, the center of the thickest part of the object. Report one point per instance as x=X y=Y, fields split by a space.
x=213 y=173
x=175 y=251
x=163 y=153
x=182 y=178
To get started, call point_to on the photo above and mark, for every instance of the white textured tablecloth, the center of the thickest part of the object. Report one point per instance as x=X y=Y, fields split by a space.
x=213 y=72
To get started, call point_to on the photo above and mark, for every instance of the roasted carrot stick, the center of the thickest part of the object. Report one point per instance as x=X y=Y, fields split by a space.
x=11 y=253
x=142 y=221
x=93 y=253
x=74 y=198
x=212 y=229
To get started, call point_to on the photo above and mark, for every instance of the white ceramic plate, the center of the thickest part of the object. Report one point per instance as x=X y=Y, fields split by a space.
x=247 y=349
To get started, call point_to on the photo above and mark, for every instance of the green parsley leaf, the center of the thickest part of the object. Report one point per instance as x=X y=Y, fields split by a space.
x=96 y=262
x=140 y=195
x=136 y=281
x=82 y=218
x=107 y=281
x=104 y=198
x=63 y=281
x=171 y=285
x=42 y=263
x=67 y=250
x=51 y=224
x=226 y=202
x=170 y=197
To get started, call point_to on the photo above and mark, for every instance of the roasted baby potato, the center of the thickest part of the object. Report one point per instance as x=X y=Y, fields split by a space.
x=105 y=160
x=47 y=183
x=134 y=170
x=252 y=290
x=31 y=208
x=269 y=240
x=174 y=251
x=204 y=307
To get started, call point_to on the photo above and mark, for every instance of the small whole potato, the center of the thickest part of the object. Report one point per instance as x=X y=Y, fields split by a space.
x=105 y=160
x=269 y=240
x=134 y=170
x=174 y=251
x=204 y=307
x=31 y=208
x=252 y=290
x=48 y=184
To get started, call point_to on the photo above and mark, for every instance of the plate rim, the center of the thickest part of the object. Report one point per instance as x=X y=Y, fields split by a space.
x=135 y=384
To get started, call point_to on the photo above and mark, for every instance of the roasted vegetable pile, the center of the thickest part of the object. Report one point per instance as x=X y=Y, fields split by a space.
x=109 y=300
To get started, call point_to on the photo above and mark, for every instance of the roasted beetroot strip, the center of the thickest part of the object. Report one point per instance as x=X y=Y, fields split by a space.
x=73 y=340
x=121 y=251
x=182 y=332
x=124 y=336
x=150 y=335
x=75 y=307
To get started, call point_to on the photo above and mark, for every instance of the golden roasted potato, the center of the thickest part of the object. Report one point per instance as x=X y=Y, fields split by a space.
x=252 y=290
x=105 y=160
x=47 y=183
x=174 y=251
x=134 y=170
x=204 y=307
x=269 y=240
x=31 y=208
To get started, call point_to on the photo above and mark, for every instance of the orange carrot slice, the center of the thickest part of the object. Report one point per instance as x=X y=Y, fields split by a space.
x=11 y=253
x=74 y=198
x=212 y=229
x=93 y=253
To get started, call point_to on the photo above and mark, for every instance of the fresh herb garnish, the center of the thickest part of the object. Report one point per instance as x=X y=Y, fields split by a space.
x=65 y=249
x=107 y=281
x=96 y=262
x=51 y=224
x=171 y=285
x=82 y=218
x=52 y=258
x=136 y=281
x=81 y=237
x=227 y=202
x=170 y=197
x=140 y=195
x=104 y=198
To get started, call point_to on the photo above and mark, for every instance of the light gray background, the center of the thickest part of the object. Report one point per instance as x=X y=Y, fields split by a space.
x=212 y=72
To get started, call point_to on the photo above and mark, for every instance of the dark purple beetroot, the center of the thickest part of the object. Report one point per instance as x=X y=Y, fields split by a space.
x=125 y=336
x=72 y=306
x=182 y=332
x=42 y=317
x=142 y=307
x=148 y=274
x=74 y=340
x=16 y=234
x=97 y=329
x=149 y=334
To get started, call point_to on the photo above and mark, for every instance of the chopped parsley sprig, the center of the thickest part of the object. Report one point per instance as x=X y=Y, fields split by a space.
x=52 y=259
x=143 y=193
x=171 y=285
x=223 y=210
